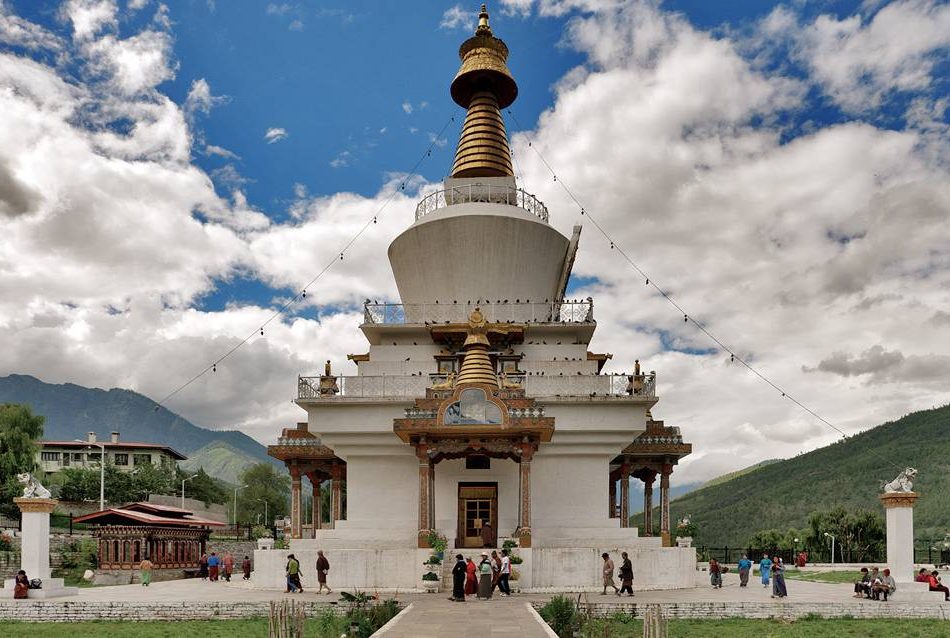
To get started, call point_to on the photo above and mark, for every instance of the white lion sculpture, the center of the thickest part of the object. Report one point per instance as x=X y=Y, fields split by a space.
x=32 y=487
x=903 y=483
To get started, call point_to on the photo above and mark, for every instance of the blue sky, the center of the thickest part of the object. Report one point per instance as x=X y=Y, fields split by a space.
x=169 y=172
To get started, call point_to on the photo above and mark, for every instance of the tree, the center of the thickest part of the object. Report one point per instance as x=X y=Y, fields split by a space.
x=859 y=534
x=19 y=430
x=203 y=487
x=264 y=483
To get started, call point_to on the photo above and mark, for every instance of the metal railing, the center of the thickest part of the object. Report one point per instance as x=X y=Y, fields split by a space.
x=411 y=386
x=574 y=311
x=482 y=193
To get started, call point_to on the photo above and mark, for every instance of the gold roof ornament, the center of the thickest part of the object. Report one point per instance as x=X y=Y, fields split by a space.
x=483 y=86
x=477 y=366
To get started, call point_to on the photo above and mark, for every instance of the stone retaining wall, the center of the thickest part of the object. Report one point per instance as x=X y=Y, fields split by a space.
x=75 y=611
x=784 y=611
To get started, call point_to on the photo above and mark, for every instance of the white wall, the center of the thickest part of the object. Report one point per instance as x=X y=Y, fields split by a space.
x=569 y=491
x=383 y=490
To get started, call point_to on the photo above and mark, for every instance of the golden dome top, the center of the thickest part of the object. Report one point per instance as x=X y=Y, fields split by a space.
x=484 y=86
x=477 y=366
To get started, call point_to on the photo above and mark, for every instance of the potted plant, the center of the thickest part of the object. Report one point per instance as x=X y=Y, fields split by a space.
x=685 y=530
x=515 y=579
x=430 y=581
x=437 y=542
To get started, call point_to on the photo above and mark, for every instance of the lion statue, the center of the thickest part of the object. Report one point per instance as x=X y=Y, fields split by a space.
x=903 y=483
x=32 y=487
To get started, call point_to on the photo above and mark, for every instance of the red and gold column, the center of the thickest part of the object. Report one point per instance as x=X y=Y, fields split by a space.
x=336 y=494
x=624 y=495
x=665 y=504
x=524 y=518
x=295 y=505
x=648 y=504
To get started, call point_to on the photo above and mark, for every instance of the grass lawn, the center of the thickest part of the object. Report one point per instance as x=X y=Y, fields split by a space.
x=824 y=577
x=805 y=628
x=324 y=627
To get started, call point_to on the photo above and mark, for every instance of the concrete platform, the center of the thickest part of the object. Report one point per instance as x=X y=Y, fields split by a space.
x=52 y=588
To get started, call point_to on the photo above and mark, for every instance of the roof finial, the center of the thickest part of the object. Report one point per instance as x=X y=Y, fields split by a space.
x=483 y=21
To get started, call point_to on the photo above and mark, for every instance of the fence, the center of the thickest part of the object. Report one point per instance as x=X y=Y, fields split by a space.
x=931 y=552
x=239 y=532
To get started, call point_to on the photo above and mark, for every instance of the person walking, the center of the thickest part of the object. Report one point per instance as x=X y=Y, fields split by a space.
x=203 y=566
x=228 y=564
x=765 y=569
x=246 y=567
x=626 y=575
x=471 y=577
x=608 y=570
x=213 y=563
x=323 y=566
x=778 y=579
x=484 y=577
x=458 y=579
x=495 y=569
x=745 y=566
x=715 y=574
x=505 y=574
x=293 y=575
x=145 y=572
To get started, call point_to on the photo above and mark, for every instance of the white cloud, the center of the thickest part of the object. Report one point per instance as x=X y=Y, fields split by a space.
x=457 y=17
x=860 y=62
x=278 y=9
x=341 y=160
x=17 y=32
x=407 y=107
x=200 y=100
x=211 y=149
x=275 y=135
x=295 y=25
x=135 y=5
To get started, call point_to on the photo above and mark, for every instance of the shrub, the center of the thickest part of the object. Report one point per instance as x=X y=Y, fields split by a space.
x=509 y=545
x=430 y=576
x=260 y=531
x=6 y=543
x=561 y=614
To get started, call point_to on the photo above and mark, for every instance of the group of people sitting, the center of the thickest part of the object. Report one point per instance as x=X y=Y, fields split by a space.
x=932 y=578
x=875 y=584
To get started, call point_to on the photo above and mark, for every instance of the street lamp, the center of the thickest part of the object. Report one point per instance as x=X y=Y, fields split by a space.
x=102 y=470
x=183 y=489
x=265 y=509
x=831 y=536
x=235 y=502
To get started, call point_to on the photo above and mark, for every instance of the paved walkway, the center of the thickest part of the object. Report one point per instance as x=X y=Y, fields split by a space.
x=432 y=617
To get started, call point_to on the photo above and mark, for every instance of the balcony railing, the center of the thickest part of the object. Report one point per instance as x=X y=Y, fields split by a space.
x=412 y=386
x=482 y=193
x=577 y=311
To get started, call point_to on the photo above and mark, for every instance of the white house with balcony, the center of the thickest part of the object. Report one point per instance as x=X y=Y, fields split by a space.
x=54 y=456
x=478 y=410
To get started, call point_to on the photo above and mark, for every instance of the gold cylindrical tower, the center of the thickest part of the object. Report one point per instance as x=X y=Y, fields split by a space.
x=483 y=86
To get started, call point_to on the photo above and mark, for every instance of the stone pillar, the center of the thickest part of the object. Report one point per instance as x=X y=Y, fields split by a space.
x=425 y=496
x=648 y=504
x=295 y=504
x=612 y=498
x=665 y=505
x=899 y=510
x=336 y=494
x=524 y=518
x=317 y=504
x=624 y=495
x=34 y=550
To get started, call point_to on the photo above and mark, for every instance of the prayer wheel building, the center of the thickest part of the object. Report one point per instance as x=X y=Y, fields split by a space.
x=478 y=400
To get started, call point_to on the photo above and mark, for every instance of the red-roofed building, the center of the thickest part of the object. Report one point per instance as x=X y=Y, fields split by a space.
x=124 y=455
x=171 y=537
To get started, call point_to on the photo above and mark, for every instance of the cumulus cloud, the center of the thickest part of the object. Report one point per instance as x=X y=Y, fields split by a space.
x=200 y=100
x=18 y=32
x=273 y=135
x=407 y=107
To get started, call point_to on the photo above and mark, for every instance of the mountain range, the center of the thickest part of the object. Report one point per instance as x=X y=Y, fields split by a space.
x=73 y=410
x=781 y=494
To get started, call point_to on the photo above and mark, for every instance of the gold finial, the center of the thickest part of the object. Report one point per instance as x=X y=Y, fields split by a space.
x=483 y=21
x=477 y=366
x=483 y=86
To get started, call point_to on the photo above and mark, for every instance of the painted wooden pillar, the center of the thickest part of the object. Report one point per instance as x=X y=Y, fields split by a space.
x=665 y=505
x=336 y=495
x=295 y=504
x=425 y=494
x=648 y=504
x=317 y=504
x=524 y=518
x=612 y=497
x=624 y=495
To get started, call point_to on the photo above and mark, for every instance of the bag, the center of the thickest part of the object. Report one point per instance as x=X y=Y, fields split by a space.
x=36 y=583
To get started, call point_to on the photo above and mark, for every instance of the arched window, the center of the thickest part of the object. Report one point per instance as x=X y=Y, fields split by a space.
x=473 y=407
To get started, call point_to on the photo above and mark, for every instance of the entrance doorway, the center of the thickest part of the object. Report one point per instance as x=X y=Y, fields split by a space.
x=478 y=505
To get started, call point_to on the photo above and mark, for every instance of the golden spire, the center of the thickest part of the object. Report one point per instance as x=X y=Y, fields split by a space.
x=483 y=86
x=477 y=366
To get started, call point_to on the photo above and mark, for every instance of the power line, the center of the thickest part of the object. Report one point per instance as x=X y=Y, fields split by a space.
x=337 y=256
x=649 y=281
